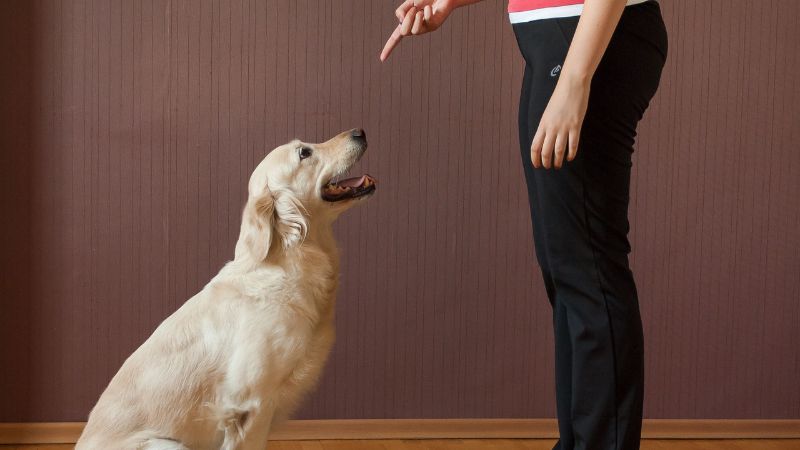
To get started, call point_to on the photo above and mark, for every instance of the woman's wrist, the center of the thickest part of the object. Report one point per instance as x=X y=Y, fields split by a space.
x=576 y=78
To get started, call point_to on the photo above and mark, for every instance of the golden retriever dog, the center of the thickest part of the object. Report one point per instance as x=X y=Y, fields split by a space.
x=239 y=355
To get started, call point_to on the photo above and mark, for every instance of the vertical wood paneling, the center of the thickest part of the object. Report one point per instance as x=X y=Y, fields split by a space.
x=715 y=213
x=128 y=130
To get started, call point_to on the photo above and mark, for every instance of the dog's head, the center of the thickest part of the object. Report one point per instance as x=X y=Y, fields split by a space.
x=297 y=183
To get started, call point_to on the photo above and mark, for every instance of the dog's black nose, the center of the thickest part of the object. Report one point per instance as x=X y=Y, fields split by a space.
x=359 y=134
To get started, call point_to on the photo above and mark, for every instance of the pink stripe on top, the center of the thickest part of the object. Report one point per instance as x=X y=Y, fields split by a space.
x=530 y=5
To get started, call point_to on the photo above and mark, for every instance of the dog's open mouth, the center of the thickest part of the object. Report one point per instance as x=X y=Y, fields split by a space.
x=348 y=188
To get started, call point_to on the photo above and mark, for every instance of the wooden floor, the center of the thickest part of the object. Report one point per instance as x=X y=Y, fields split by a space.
x=494 y=444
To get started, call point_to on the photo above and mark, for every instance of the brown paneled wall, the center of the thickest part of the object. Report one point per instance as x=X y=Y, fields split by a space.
x=128 y=130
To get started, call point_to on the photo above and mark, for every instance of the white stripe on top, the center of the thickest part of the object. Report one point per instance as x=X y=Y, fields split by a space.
x=554 y=12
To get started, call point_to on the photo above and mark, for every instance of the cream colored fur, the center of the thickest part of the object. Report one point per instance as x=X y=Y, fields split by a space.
x=239 y=355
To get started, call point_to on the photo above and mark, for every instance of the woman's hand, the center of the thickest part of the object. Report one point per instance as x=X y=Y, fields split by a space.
x=560 y=127
x=418 y=17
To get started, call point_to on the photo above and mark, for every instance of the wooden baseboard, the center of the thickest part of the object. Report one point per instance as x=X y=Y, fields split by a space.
x=68 y=432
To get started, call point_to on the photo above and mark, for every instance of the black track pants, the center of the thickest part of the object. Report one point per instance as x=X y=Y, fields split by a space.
x=580 y=226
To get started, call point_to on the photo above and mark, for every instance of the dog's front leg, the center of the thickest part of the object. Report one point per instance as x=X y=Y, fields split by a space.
x=256 y=431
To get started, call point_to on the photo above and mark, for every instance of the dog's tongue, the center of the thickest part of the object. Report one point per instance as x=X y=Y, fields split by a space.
x=353 y=182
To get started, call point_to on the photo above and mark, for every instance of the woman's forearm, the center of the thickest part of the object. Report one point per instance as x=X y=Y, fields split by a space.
x=559 y=130
x=595 y=27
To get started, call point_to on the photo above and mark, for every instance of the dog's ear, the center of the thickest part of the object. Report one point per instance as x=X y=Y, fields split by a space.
x=289 y=221
x=271 y=218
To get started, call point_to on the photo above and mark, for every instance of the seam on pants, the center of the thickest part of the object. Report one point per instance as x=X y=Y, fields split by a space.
x=605 y=303
x=560 y=25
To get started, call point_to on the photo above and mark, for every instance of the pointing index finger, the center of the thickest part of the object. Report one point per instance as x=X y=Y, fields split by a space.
x=391 y=43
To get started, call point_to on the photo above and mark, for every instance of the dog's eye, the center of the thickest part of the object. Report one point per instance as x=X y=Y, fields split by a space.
x=305 y=152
